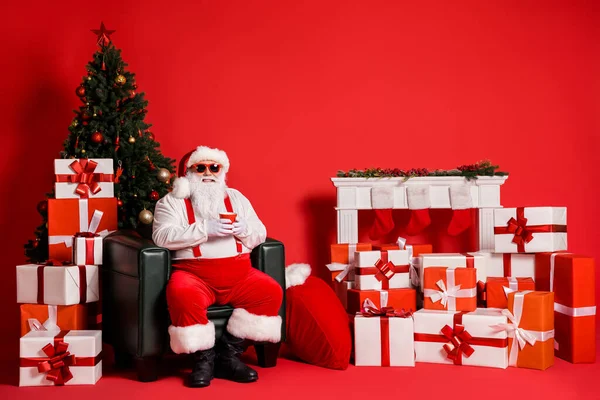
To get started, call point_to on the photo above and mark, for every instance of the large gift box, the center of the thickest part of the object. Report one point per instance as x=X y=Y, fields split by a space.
x=572 y=279
x=450 y=289
x=530 y=329
x=57 y=285
x=399 y=299
x=497 y=289
x=60 y=358
x=530 y=229
x=382 y=270
x=453 y=260
x=84 y=178
x=451 y=337
x=39 y=317
x=67 y=217
x=342 y=260
x=509 y=265
x=383 y=337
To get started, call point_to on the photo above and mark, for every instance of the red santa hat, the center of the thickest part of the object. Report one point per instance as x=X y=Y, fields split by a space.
x=181 y=185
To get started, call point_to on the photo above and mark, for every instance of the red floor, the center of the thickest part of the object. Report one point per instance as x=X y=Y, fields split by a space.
x=295 y=380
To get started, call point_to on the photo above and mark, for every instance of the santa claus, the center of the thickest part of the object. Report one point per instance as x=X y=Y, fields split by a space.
x=211 y=265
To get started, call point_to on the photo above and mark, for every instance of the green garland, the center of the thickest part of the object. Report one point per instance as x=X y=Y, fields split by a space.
x=470 y=171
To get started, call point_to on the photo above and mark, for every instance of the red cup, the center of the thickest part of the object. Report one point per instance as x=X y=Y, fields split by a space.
x=228 y=215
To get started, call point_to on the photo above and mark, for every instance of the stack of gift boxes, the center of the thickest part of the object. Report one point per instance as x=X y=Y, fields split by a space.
x=520 y=306
x=60 y=311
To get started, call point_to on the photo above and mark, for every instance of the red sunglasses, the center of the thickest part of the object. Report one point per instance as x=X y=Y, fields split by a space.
x=201 y=168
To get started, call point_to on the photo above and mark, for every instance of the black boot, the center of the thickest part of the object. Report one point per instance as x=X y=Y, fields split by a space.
x=202 y=372
x=228 y=364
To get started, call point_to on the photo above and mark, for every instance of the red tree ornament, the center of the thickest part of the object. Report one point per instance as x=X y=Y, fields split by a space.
x=80 y=91
x=154 y=196
x=97 y=137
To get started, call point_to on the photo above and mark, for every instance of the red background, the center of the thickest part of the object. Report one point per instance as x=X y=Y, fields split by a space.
x=294 y=91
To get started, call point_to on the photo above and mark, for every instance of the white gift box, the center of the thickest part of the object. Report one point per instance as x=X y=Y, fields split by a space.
x=510 y=265
x=489 y=344
x=453 y=260
x=367 y=275
x=370 y=341
x=84 y=178
x=60 y=285
x=530 y=229
x=86 y=346
x=84 y=254
x=341 y=290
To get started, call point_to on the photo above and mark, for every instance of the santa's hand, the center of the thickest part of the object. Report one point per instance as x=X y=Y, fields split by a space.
x=240 y=227
x=219 y=227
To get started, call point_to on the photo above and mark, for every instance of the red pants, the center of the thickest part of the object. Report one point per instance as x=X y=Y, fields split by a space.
x=197 y=284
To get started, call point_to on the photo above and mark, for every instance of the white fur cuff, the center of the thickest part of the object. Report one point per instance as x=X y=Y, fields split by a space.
x=382 y=197
x=189 y=339
x=418 y=197
x=460 y=197
x=259 y=328
x=296 y=274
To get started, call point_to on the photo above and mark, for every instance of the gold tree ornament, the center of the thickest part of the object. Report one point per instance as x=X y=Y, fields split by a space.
x=131 y=140
x=120 y=80
x=163 y=175
x=146 y=217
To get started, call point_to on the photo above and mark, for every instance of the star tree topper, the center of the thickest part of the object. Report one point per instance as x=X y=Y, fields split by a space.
x=103 y=35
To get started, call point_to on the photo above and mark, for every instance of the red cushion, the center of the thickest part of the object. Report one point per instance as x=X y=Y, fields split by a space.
x=317 y=325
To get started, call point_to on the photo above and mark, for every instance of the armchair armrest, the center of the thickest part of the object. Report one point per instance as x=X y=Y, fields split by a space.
x=135 y=273
x=269 y=257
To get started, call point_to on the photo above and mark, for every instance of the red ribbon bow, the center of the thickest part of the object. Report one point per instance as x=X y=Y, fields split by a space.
x=57 y=364
x=458 y=343
x=370 y=310
x=84 y=175
x=386 y=270
x=518 y=227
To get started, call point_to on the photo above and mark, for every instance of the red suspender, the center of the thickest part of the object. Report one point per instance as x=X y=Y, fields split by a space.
x=229 y=208
x=191 y=220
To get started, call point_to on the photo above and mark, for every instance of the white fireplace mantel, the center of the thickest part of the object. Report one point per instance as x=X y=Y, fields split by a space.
x=354 y=194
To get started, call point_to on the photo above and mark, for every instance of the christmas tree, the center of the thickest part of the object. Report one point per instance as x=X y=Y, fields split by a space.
x=110 y=124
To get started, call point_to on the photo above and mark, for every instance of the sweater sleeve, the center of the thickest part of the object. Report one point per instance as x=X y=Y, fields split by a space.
x=256 y=233
x=169 y=228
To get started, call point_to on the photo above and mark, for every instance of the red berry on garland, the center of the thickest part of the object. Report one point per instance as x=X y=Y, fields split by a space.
x=135 y=86
x=97 y=137
x=80 y=91
x=85 y=116
x=85 y=123
x=120 y=203
x=42 y=207
x=154 y=195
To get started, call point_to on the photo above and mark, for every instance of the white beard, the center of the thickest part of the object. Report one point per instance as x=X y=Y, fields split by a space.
x=207 y=198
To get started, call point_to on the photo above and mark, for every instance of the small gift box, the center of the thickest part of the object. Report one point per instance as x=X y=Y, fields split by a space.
x=450 y=337
x=383 y=337
x=530 y=329
x=60 y=358
x=382 y=270
x=452 y=261
x=497 y=289
x=87 y=248
x=450 y=289
x=399 y=299
x=509 y=265
x=342 y=260
x=530 y=229
x=67 y=217
x=41 y=317
x=572 y=278
x=57 y=284
x=84 y=178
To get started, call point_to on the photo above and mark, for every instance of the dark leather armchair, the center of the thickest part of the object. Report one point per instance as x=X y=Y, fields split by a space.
x=135 y=318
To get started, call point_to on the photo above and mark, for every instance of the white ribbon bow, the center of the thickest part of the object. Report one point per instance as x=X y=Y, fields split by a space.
x=49 y=324
x=442 y=295
x=521 y=335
